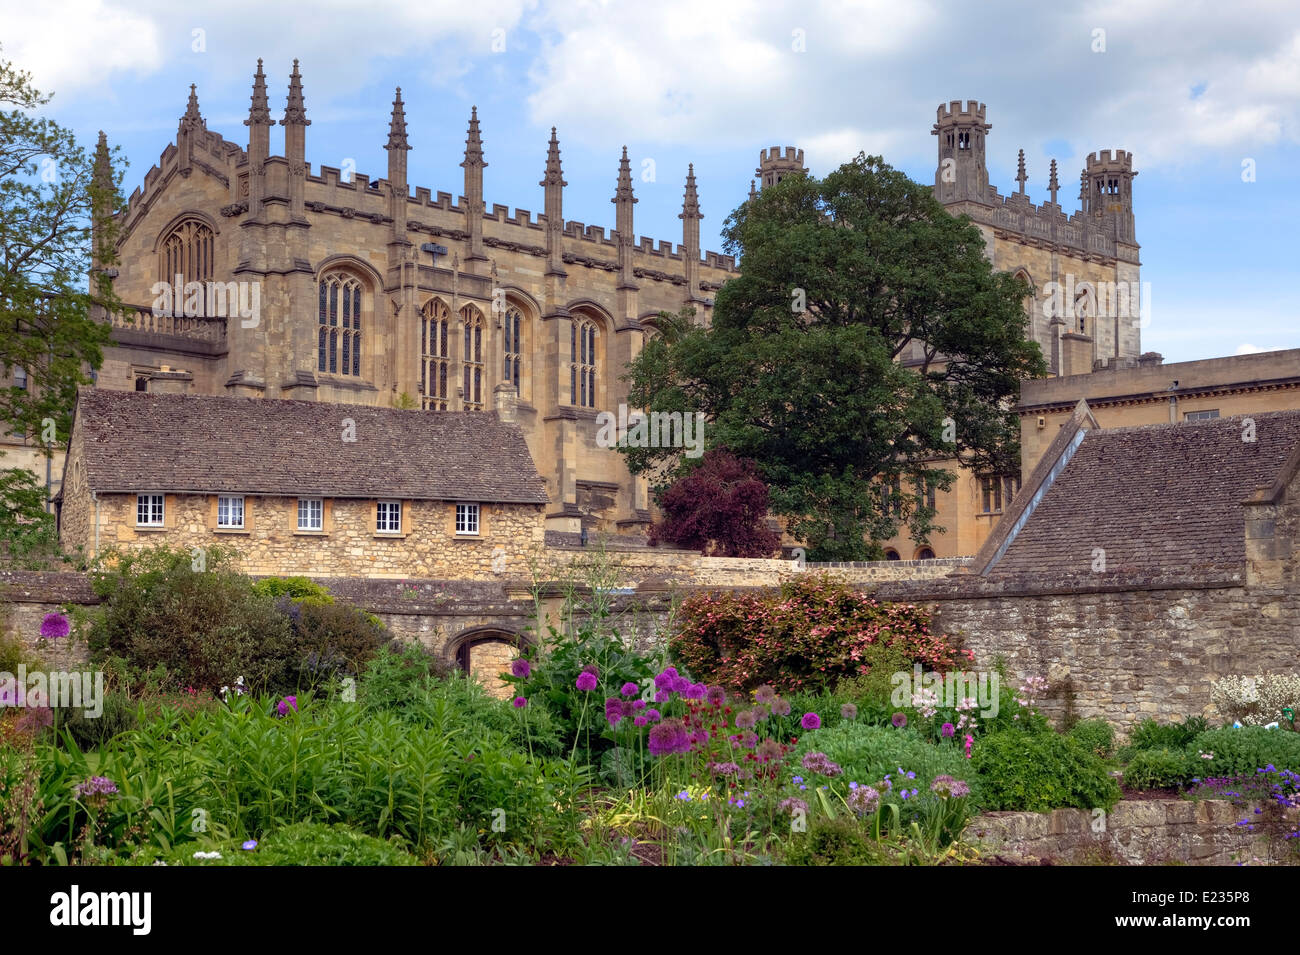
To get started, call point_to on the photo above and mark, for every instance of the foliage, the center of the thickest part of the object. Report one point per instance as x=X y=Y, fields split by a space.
x=798 y=369
x=1040 y=771
x=811 y=634
x=304 y=843
x=718 y=507
x=55 y=200
x=297 y=589
x=87 y=732
x=1152 y=735
x=1096 y=736
x=865 y=754
x=1258 y=700
x=838 y=840
x=398 y=676
x=1158 y=769
x=1240 y=752
x=28 y=537
x=330 y=639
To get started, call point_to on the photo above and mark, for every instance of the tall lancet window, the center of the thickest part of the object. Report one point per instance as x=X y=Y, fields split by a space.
x=338 y=335
x=435 y=360
x=187 y=252
x=582 y=374
x=514 y=346
x=472 y=357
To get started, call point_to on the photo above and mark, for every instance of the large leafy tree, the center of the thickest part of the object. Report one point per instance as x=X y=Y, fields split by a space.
x=56 y=200
x=866 y=341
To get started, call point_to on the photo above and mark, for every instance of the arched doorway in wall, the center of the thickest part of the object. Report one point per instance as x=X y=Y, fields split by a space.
x=486 y=652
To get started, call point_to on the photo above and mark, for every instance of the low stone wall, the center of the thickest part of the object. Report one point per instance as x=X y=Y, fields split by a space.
x=1136 y=832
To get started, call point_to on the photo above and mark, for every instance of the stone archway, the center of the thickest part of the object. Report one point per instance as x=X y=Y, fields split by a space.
x=484 y=653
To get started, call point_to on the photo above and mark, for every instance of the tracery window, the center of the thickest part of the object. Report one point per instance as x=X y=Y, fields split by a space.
x=187 y=252
x=514 y=346
x=582 y=374
x=472 y=358
x=338 y=346
x=435 y=355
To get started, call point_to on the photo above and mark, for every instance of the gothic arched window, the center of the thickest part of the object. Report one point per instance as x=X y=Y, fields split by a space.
x=186 y=256
x=514 y=346
x=338 y=342
x=472 y=358
x=582 y=374
x=435 y=357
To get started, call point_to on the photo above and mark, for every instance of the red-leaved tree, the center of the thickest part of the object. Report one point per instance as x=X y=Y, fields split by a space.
x=719 y=508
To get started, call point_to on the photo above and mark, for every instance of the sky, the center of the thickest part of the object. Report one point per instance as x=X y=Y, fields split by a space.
x=1206 y=97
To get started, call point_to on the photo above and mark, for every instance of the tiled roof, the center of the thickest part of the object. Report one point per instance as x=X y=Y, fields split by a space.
x=1156 y=498
x=135 y=441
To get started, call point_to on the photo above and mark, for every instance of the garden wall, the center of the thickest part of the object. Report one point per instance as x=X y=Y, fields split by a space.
x=1138 y=832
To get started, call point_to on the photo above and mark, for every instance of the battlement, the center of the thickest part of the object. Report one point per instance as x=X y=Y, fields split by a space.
x=952 y=114
x=793 y=156
x=1102 y=161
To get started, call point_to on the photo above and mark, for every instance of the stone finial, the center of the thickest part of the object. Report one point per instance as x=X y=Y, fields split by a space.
x=397 y=125
x=295 y=112
x=192 y=118
x=1083 y=184
x=473 y=142
x=554 y=174
x=1052 y=184
x=1020 y=174
x=103 y=162
x=259 y=114
x=623 y=193
x=753 y=193
x=691 y=203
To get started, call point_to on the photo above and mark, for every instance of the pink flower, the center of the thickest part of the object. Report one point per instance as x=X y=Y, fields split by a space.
x=586 y=682
x=970 y=741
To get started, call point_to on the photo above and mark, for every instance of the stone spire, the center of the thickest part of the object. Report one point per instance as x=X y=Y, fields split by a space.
x=259 y=125
x=623 y=201
x=295 y=125
x=1052 y=184
x=753 y=193
x=690 y=216
x=473 y=166
x=1020 y=174
x=259 y=114
x=397 y=127
x=101 y=203
x=554 y=206
x=1083 y=190
x=192 y=118
x=295 y=112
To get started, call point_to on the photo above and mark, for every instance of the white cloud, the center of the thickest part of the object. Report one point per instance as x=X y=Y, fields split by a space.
x=72 y=44
x=1247 y=349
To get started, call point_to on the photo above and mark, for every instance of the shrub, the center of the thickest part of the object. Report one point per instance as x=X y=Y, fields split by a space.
x=1039 y=771
x=90 y=733
x=206 y=628
x=837 y=841
x=811 y=634
x=397 y=676
x=1096 y=736
x=865 y=754
x=1158 y=769
x=1257 y=700
x=1151 y=735
x=1240 y=752
x=331 y=639
x=296 y=589
x=718 y=507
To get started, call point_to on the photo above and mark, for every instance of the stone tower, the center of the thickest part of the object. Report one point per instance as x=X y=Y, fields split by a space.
x=773 y=165
x=1109 y=193
x=961 y=172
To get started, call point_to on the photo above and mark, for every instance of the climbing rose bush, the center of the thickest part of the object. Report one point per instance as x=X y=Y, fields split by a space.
x=811 y=634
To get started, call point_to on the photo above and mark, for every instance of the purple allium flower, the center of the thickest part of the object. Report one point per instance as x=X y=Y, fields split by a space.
x=749 y=740
x=792 y=805
x=249 y=846
x=694 y=691
x=287 y=704
x=653 y=715
x=586 y=682
x=664 y=680
x=613 y=710
x=848 y=711
x=35 y=719
x=864 y=800
x=948 y=730
x=592 y=669
x=899 y=720
x=668 y=737
x=638 y=704
x=780 y=707
x=521 y=702
x=521 y=668
x=817 y=762
x=630 y=689
x=726 y=769
x=96 y=786
x=717 y=696
x=746 y=719
x=55 y=626
x=640 y=721
x=769 y=750
x=811 y=721
x=661 y=696
x=765 y=694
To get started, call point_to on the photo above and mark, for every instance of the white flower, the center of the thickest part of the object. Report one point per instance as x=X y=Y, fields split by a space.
x=207 y=855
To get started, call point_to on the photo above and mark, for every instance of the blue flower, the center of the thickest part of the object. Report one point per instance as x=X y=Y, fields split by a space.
x=796 y=779
x=684 y=795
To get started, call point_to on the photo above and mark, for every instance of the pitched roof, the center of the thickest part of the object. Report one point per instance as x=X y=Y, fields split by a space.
x=1155 y=498
x=135 y=441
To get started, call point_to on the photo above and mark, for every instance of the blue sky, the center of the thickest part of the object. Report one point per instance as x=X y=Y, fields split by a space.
x=1192 y=89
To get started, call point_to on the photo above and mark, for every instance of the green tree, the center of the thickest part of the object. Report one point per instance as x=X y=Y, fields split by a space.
x=27 y=534
x=866 y=339
x=56 y=201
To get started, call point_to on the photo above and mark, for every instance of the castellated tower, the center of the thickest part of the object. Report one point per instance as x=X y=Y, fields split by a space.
x=773 y=165
x=961 y=173
x=1109 y=192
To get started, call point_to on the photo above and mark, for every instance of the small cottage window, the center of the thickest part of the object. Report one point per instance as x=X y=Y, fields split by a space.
x=149 y=510
x=467 y=519
x=310 y=514
x=389 y=517
x=230 y=512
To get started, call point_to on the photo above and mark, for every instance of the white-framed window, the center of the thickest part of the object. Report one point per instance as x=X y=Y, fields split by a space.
x=149 y=510
x=1201 y=415
x=230 y=511
x=467 y=519
x=388 y=517
x=311 y=514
